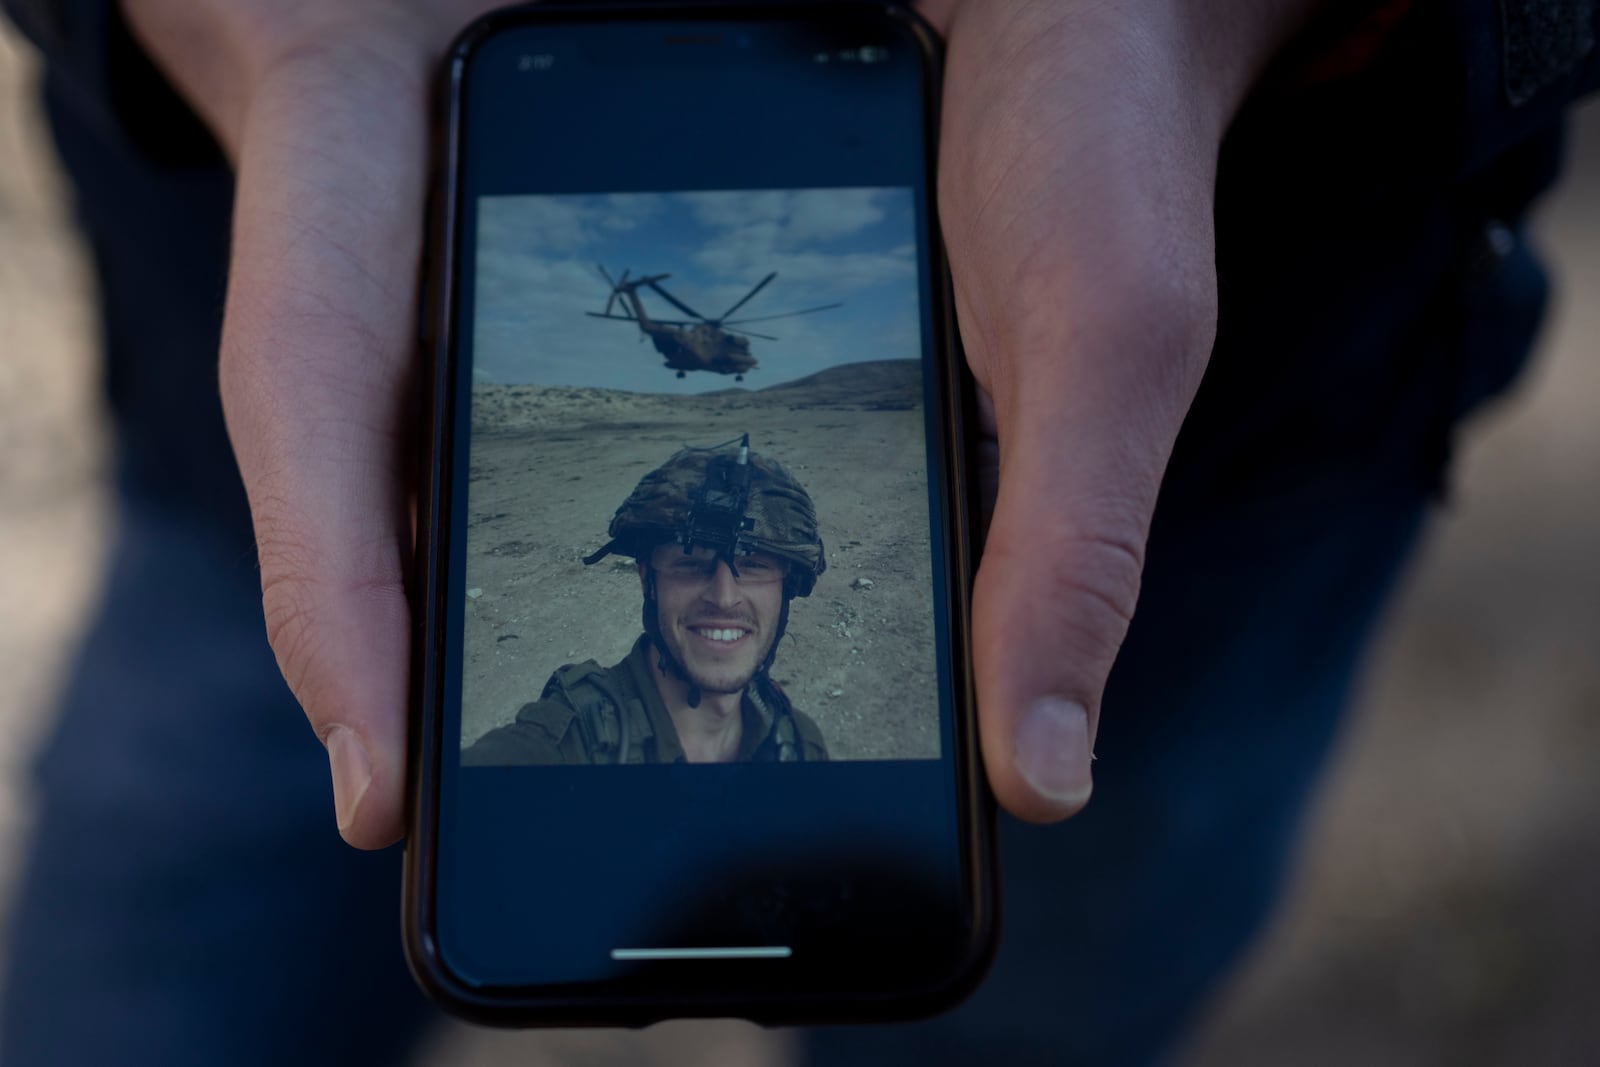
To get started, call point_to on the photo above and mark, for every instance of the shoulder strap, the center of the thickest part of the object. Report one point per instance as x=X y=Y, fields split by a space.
x=766 y=695
x=600 y=709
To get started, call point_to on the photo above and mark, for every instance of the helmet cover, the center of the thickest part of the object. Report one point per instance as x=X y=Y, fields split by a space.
x=726 y=498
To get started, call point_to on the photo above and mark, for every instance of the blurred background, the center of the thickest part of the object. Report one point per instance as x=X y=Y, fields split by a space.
x=1446 y=906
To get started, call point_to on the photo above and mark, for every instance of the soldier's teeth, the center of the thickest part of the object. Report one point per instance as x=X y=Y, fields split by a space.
x=723 y=635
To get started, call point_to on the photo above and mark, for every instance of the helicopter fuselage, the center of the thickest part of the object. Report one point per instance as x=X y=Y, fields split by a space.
x=704 y=348
x=701 y=347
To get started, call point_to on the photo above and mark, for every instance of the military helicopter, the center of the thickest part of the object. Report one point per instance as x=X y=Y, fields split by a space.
x=697 y=343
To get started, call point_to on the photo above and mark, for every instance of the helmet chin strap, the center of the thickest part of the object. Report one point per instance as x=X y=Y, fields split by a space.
x=666 y=662
x=772 y=649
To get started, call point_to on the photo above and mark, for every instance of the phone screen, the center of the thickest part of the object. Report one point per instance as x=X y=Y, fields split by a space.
x=701 y=664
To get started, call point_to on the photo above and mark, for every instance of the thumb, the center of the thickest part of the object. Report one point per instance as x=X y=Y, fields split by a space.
x=315 y=371
x=1085 y=426
x=1076 y=184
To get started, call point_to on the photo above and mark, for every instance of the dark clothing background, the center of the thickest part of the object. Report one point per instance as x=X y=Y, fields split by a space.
x=187 y=899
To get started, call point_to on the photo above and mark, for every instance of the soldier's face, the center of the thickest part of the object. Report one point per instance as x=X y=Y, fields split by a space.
x=716 y=626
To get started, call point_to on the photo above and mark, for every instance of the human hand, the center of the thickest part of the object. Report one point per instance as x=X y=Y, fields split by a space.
x=323 y=108
x=1080 y=146
x=1078 y=166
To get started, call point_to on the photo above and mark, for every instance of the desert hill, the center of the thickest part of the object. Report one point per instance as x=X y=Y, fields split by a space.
x=883 y=385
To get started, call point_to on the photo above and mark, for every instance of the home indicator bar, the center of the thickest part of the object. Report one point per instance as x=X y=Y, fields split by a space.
x=753 y=952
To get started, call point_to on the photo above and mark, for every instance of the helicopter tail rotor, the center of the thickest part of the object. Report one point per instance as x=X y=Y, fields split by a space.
x=620 y=286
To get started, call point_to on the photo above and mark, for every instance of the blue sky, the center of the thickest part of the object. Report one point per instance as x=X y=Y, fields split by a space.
x=536 y=278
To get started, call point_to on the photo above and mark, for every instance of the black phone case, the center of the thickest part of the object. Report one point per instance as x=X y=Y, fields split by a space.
x=568 y=1006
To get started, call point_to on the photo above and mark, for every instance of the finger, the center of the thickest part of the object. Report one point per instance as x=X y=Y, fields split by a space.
x=316 y=358
x=1084 y=438
x=1080 y=244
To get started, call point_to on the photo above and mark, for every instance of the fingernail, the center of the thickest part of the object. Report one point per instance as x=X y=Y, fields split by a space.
x=1052 y=751
x=351 y=773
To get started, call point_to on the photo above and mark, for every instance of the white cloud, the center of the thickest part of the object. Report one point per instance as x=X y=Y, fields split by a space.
x=555 y=224
x=791 y=218
x=828 y=214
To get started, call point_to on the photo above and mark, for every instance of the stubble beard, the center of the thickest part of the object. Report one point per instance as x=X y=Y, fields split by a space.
x=723 y=682
x=702 y=676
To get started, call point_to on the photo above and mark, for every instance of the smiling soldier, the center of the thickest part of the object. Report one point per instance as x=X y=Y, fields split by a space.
x=723 y=539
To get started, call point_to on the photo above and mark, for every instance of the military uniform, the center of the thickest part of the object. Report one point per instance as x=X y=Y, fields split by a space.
x=588 y=714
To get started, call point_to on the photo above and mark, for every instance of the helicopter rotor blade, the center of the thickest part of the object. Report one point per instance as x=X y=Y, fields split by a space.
x=751 y=333
x=661 y=322
x=762 y=284
x=612 y=299
x=675 y=302
x=633 y=319
x=785 y=315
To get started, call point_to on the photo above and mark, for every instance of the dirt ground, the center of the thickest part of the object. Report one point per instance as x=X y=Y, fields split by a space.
x=549 y=466
x=1446 y=907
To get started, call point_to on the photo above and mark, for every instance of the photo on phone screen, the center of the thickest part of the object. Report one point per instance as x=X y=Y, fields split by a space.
x=698 y=481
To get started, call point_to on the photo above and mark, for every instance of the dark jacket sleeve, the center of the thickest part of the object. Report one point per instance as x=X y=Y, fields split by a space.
x=1448 y=89
x=1513 y=68
x=541 y=733
x=95 y=69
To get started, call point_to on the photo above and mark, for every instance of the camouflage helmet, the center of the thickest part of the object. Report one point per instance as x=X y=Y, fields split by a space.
x=726 y=498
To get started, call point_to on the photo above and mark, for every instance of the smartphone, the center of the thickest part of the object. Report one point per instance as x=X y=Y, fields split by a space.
x=692 y=713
